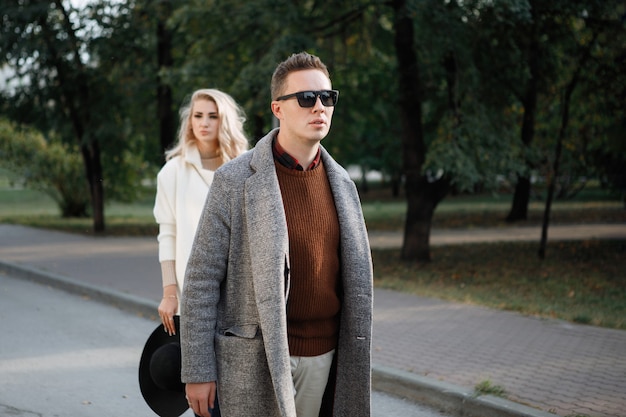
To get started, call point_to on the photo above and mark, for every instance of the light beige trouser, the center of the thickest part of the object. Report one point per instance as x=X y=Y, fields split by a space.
x=310 y=376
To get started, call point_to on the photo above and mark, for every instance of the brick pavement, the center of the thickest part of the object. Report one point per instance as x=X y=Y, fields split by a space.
x=550 y=365
x=556 y=366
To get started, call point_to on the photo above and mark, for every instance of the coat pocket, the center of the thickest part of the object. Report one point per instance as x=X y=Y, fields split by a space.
x=247 y=331
x=244 y=381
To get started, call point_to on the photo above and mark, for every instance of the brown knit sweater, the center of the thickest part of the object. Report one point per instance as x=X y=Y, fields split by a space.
x=313 y=304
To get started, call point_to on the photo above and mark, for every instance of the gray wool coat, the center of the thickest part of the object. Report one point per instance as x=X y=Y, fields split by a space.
x=233 y=318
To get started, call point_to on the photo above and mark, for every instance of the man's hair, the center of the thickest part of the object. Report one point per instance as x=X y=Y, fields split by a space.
x=296 y=62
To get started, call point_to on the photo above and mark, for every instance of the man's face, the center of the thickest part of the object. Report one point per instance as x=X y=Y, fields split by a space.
x=304 y=123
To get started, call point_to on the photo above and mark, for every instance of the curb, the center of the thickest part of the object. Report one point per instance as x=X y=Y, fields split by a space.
x=451 y=399
x=126 y=302
x=439 y=395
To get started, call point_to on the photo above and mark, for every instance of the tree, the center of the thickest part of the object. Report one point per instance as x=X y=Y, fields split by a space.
x=164 y=90
x=595 y=27
x=565 y=115
x=431 y=143
x=601 y=117
x=452 y=139
x=527 y=37
x=66 y=89
x=422 y=195
x=42 y=44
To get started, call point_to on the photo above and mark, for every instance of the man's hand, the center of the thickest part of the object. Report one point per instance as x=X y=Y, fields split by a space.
x=201 y=397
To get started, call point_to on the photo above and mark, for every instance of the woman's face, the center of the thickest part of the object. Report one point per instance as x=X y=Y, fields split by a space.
x=205 y=121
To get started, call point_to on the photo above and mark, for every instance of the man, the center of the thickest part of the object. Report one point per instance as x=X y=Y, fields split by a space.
x=277 y=301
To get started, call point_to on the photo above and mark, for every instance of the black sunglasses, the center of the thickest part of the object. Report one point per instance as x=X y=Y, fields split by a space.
x=309 y=98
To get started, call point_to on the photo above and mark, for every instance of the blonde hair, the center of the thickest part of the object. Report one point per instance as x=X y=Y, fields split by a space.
x=231 y=137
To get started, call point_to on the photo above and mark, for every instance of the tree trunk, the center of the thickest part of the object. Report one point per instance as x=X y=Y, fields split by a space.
x=420 y=210
x=567 y=98
x=76 y=95
x=97 y=197
x=416 y=245
x=167 y=127
x=365 y=186
x=396 y=180
x=167 y=123
x=521 y=197
x=93 y=170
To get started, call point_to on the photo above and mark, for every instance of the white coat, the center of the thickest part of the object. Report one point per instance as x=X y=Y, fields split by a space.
x=182 y=188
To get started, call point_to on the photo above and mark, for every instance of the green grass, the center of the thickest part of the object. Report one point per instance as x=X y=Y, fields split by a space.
x=486 y=387
x=485 y=210
x=17 y=202
x=36 y=209
x=583 y=282
x=579 y=281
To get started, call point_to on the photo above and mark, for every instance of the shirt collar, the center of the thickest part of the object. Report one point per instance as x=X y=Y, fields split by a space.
x=289 y=161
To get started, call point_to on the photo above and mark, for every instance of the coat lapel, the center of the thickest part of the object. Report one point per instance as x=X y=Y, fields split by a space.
x=348 y=208
x=269 y=251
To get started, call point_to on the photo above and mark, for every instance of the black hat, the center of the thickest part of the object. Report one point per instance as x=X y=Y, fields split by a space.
x=159 y=373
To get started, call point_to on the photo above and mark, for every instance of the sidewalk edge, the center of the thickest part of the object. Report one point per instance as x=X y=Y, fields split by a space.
x=126 y=302
x=446 y=397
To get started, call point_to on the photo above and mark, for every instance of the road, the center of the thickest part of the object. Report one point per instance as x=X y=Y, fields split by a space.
x=64 y=355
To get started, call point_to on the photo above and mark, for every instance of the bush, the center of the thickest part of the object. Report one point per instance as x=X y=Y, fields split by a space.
x=45 y=165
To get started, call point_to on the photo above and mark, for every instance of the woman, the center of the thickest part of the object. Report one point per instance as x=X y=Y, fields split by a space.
x=211 y=133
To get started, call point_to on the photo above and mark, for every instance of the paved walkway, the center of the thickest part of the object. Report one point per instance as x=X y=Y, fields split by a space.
x=547 y=366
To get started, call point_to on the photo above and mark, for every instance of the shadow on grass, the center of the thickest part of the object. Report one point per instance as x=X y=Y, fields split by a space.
x=579 y=281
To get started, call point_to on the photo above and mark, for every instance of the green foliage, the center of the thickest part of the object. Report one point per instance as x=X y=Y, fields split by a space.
x=470 y=127
x=521 y=45
x=477 y=152
x=97 y=101
x=52 y=167
x=474 y=57
x=486 y=387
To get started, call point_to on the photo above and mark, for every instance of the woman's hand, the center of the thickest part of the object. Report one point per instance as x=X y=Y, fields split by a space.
x=167 y=308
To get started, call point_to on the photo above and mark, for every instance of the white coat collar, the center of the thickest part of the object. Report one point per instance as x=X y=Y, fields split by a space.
x=192 y=157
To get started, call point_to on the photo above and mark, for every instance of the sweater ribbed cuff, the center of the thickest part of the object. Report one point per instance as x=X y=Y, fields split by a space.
x=168 y=273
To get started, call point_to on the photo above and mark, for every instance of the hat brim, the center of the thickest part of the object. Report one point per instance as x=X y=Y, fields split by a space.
x=165 y=403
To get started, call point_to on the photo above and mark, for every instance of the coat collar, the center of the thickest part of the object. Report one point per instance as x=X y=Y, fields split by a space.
x=263 y=158
x=192 y=155
x=192 y=158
